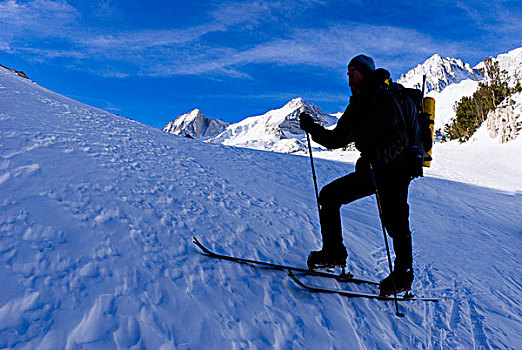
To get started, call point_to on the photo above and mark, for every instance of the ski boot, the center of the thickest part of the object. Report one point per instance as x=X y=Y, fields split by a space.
x=323 y=259
x=399 y=280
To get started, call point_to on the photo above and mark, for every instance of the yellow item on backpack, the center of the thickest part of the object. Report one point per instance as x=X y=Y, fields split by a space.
x=428 y=106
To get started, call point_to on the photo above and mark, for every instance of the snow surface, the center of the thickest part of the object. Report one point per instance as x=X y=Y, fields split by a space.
x=446 y=100
x=98 y=212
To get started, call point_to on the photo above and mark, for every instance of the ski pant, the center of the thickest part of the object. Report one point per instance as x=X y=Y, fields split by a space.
x=392 y=182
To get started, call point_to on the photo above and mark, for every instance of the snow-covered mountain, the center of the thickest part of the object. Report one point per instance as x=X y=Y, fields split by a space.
x=195 y=125
x=447 y=80
x=277 y=130
x=440 y=73
x=97 y=214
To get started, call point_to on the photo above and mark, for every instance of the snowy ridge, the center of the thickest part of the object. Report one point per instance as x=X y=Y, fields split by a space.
x=277 y=130
x=195 y=125
x=440 y=72
x=97 y=215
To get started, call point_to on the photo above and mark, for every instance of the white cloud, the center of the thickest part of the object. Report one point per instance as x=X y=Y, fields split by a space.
x=331 y=48
x=268 y=32
x=40 y=17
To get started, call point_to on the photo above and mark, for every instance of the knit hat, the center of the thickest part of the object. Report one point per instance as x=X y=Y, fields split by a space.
x=363 y=64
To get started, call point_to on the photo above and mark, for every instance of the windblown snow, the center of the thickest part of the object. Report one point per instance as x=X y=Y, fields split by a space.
x=98 y=213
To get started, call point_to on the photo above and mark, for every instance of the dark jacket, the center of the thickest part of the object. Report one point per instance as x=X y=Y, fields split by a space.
x=373 y=120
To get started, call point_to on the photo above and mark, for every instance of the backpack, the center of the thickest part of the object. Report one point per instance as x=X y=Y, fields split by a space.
x=419 y=125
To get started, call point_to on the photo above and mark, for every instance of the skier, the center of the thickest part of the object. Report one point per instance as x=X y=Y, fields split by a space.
x=374 y=121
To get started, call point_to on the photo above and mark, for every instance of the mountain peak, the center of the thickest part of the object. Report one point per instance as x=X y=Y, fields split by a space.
x=440 y=72
x=195 y=111
x=276 y=130
x=435 y=57
x=296 y=102
x=195 y=125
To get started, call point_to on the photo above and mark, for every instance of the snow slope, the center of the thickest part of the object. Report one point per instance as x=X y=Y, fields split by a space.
x=446 y=100
x=97 y=213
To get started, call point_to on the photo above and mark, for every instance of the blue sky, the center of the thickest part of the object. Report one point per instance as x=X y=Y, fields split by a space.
x=153 y=60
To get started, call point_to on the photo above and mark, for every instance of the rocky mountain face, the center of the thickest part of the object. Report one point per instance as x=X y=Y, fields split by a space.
x=195 y=125
x=440 y=73
x=505 y=122
x=17 y=72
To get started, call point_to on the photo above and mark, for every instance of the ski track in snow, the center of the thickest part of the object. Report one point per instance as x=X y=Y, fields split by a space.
x=98 y=212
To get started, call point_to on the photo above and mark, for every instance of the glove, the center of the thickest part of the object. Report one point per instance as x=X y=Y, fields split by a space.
x=306 y=122
x=375 y=157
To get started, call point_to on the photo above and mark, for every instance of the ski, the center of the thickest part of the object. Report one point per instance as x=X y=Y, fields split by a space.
x=341 y=278
x=352 y=294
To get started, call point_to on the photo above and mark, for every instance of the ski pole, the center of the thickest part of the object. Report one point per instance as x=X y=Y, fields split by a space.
x=313 y=173
x=385 y=242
